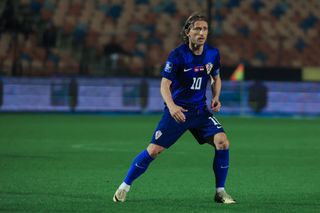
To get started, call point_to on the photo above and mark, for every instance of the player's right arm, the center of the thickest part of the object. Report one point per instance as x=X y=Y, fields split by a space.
x=175 y=110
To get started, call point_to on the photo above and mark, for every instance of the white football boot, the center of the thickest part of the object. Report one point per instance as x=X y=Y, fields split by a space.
x=224 y=197
x=120 y=195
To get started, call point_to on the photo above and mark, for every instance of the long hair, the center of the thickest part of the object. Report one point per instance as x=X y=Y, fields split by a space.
x=189 y=23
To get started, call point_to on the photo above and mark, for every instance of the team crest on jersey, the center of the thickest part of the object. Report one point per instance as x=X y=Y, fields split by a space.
x=168 y=67
x=209 y=67
x=158 y=134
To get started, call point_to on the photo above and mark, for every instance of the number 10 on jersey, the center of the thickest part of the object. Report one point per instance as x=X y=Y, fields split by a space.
x=196 y=85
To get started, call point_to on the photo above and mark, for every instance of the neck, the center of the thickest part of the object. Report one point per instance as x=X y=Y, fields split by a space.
x=196 y=49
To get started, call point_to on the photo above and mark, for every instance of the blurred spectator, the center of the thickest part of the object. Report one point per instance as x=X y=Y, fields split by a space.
x=115 y=11
x=113 y=47
x=114 y=51
x=258 y=96
x=36 y=6
x=79 y=34
x=53 y=59
x=27 y=55
x=49 y=38
x=257 y=5
x=8 y=20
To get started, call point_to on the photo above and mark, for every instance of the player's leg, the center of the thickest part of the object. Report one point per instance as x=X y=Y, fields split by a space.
x=212 y=132
x=138 y=166
x=221 y=159
x=221 y=166
x=142 y=161
x=167 y=133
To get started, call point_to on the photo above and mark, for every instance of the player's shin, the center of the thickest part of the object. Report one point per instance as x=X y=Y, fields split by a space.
x=138 y=166
x=220 y=167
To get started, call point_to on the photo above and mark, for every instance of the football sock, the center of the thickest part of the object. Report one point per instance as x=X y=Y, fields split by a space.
x=220 y=167
x=220 y=189
x=138 y=167
x=124 y=186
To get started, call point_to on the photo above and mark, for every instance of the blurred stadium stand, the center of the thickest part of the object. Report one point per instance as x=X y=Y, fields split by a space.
x=71 y=37
x=61 y=44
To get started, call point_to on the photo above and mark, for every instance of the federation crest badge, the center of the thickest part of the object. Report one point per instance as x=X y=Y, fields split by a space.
x=168 y=67
x=158 y=134
x=209 y=67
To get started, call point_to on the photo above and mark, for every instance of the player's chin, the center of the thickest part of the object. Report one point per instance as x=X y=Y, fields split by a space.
x=201 y=40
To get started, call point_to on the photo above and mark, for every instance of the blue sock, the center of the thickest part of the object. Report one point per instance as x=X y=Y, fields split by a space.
x=220 y=167
x=138 y=167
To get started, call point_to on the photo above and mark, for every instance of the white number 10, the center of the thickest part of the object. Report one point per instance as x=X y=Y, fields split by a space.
x=196 y=85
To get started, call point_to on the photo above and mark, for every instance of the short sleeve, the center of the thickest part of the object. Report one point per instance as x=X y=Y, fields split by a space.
x=216 y=65
x=170 y=69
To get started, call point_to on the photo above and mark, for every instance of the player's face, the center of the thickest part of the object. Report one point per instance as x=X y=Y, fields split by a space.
x=198 y=33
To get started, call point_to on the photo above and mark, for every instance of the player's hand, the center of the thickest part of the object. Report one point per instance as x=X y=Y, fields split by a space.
x=177 y=112
x=215 y=105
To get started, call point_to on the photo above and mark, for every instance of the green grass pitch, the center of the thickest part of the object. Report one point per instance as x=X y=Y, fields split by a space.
x=74 y=163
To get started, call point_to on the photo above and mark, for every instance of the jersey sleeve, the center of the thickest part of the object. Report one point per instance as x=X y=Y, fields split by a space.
x=216 y=65
x=170 y=69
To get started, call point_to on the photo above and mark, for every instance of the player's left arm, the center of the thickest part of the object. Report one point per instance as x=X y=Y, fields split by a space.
x=216 y=90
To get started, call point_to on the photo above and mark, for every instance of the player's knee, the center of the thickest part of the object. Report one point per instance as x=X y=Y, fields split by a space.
x=154 y=150
x=221 y=141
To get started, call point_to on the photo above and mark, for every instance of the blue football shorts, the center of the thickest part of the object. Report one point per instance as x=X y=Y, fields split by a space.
x=201 y=123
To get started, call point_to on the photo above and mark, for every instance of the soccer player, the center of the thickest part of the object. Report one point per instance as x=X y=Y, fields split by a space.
x=183 y=88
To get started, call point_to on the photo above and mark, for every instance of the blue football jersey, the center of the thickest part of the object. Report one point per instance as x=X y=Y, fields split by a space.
x=190 y=74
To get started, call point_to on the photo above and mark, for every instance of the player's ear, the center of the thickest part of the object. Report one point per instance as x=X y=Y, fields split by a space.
x=186 y=31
